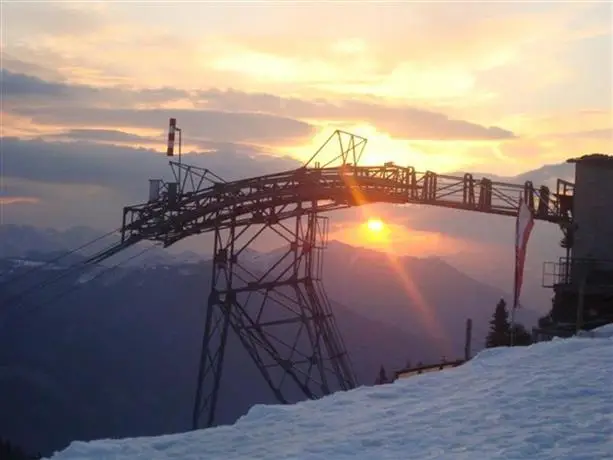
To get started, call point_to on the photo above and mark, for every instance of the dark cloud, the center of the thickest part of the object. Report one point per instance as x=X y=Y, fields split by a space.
x=80 y=106
x=20 y=89
x=124 y=172
x=231 y=115
x=88 y=183
x=398 y=121
x=115 y=136
x=27 y=68
x=102 y=135
x=118 y=167
x=201 y=124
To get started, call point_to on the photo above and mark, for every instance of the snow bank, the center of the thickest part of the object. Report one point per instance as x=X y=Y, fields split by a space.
x=551 y=400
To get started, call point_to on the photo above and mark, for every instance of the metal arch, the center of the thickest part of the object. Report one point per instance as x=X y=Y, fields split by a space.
x=291 y=193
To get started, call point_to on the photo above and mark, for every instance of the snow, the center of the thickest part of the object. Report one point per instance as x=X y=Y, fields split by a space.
x=552 y=400
x=27 y=263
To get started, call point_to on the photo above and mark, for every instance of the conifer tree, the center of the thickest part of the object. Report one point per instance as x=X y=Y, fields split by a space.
x=500 y=328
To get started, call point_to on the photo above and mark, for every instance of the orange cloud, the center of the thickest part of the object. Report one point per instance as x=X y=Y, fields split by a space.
x=18 y=200
x=500 y=64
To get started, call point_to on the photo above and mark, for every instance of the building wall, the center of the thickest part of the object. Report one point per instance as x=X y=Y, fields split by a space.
x=593 y=210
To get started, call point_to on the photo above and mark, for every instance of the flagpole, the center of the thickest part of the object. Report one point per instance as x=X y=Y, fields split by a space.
x=515 y=277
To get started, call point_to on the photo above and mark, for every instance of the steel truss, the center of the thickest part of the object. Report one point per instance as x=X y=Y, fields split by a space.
x=288 y=329
x=280 y=313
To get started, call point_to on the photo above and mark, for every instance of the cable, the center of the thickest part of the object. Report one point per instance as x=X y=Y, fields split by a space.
x=56 y=259
x=75 y=287
x=50 y=280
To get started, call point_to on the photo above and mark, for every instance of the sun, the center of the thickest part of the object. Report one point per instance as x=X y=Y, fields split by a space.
x=375 y=225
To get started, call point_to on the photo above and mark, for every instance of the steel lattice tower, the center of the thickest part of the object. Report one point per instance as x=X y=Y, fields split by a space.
x=291 y=297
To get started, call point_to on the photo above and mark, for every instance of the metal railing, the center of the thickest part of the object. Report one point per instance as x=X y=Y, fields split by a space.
x=594 y=272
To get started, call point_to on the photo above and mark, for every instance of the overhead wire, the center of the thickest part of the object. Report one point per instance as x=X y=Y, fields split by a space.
x=75 y=287
x=57 y=259
x=50 y=280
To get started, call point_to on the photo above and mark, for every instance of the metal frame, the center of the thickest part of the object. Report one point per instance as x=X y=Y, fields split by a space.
x=222 y=204
x=568 y=270
x=314 y=360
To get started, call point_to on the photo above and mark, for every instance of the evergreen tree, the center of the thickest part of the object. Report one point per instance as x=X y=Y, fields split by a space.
x=500 y=328
x=382 y=378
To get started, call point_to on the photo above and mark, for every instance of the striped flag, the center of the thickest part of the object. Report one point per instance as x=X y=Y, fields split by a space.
x=172 y=126
x=523 y=227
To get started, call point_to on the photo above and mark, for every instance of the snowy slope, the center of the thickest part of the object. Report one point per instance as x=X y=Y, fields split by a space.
x=547 y=401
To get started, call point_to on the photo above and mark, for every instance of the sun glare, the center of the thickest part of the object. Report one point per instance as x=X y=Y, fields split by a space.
x=375 y=225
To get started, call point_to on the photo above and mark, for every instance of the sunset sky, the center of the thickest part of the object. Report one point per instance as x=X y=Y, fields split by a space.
x=495 y=88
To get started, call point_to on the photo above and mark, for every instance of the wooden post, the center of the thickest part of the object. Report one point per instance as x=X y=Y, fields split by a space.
x=468 y=339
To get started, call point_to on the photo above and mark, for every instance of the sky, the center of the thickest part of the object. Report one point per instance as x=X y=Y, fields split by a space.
x=488 y=87
x=498 y=87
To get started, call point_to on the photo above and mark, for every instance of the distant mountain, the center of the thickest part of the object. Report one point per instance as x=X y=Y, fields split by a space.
x=426 y=297
x=32 y=243
x=545 y=175
x=492 y=265
x=117 y=355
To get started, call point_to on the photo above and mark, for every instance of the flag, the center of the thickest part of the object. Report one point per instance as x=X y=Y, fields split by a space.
x=523 y=227
x=171 y=137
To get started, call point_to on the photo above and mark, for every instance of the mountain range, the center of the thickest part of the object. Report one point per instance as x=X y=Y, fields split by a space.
x=103 y=354
x=63 y=188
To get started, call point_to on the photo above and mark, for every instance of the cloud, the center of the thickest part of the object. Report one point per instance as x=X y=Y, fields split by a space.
x=120 y=168
x=600 y=134
x=118 y=137
x=124 y=171
x=103 y=135
x=87 y=183
x=302 y=50
x=204 y=124
x=21 y=89
x=6 y=200
x=61 y=104
x=230 y=115
x=398 y=121
x=55 y=19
